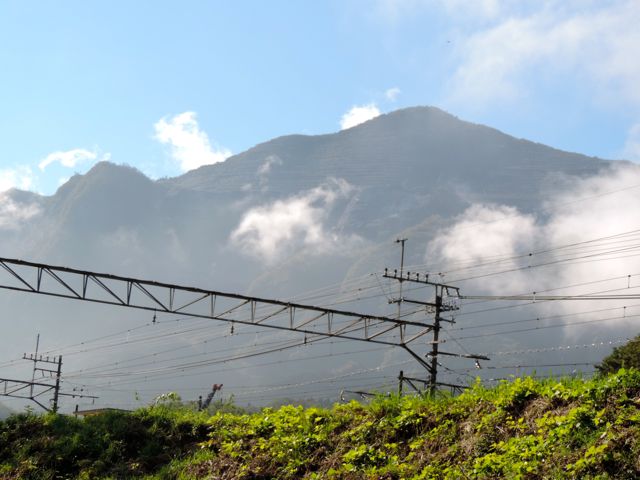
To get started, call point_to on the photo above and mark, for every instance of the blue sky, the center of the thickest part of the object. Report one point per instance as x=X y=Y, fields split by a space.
x=167 y=86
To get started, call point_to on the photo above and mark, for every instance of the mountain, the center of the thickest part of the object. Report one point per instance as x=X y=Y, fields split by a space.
x=403 y=168
x=289 y=215
x=406 y=163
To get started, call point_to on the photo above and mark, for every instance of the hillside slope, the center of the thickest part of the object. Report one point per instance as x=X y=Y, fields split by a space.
x=403 y=167
x=318 y=211
x=520 y=429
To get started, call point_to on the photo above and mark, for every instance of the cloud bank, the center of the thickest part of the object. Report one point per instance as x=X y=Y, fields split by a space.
x=497 y=250
x=269 y=231
x=358 y=115
x=190 y=146
x=13 y=213
x=483 y=234
x=19 y=177
x=595 y=43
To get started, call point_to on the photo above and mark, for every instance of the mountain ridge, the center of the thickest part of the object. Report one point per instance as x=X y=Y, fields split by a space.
x=288 y=216
x=262 y=148
x=402 y=167
x=405 y=125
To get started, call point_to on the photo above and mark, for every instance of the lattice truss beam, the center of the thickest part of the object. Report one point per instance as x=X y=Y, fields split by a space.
x=63 y=282
x=25 y=390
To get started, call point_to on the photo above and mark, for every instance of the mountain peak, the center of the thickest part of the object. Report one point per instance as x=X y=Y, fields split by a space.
x=109 y=168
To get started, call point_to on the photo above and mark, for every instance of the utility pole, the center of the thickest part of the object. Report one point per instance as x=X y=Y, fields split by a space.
x=401 y=241
x=35 y=362
x=438 y=306
x=56 y=391
x=57 y=373
x=433 y=375
x=16 y=388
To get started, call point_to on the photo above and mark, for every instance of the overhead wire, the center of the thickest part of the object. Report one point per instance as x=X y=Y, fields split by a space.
x=358 y=296
x=562 y=348
x=545 y=327
x=539 y=318
x=500 y=258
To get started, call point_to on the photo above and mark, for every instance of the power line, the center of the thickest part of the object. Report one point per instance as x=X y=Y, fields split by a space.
x=563 y=348
x=537 y=365
x=502 y=258
x=439 y=305
x=197 y=302
x=539 y=318
x=544 y=327
x=245 y=313
x=627 y=277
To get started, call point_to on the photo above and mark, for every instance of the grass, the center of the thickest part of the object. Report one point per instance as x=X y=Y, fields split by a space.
x=525 y=428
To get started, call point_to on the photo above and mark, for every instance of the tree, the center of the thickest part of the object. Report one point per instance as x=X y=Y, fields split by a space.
x=625 y=356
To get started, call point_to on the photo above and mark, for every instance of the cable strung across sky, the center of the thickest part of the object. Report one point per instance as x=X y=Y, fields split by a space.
x=547 y=298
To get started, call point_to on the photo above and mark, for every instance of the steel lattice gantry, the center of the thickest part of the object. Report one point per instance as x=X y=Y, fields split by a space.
x=25 y=390
x=64 y=282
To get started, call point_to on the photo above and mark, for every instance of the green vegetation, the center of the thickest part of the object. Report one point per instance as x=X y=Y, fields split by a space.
x=625 y=356
x=520 y=429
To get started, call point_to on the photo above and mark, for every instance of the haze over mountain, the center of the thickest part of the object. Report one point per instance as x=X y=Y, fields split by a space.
x=289 y=215
x=398 y=170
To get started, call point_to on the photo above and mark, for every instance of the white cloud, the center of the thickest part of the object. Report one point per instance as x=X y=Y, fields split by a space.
x=597 y=44
x=20 y=177
x=265 y=169
x=358 y=115
x=392 y=94
x=268 y=231
x=488 y=238
x=481 y=232
x=13 y=213
x=69 y=158
x=269 y=162
x=632 y=146
x=190 y=146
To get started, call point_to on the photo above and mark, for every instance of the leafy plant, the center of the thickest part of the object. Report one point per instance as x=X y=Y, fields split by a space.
x=525 y=428
x=625 y=356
